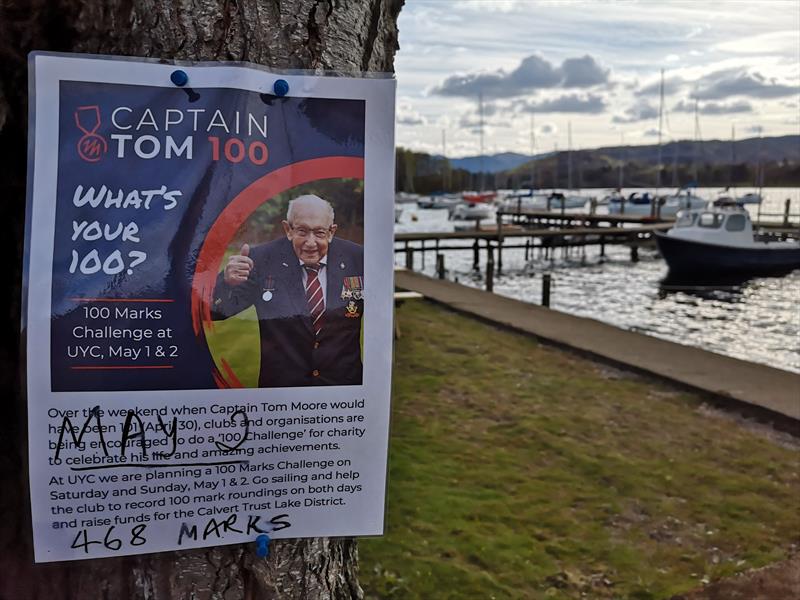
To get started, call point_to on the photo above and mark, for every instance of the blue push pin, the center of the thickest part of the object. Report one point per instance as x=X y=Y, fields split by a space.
x=281 y=87
x=179 y=78
x=262 y=546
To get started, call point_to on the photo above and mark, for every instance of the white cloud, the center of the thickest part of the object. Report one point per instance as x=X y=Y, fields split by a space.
x=642 y=110
x=533 y=73
x=774 y=42
x=406 y=115
x=714 y=108
x=567 y=103
x=755 y=42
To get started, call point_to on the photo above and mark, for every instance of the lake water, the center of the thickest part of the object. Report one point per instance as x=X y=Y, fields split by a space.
x=756 y=320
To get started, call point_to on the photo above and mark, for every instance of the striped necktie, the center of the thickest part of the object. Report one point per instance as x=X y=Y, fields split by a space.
x=314 y=297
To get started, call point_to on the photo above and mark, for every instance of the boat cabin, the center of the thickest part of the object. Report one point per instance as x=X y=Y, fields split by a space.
x=728 y=225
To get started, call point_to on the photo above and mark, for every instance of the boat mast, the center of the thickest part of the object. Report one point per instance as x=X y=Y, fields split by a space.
x=695 y=176
x=445 y=164
x=533 y=152
x=480 y=112
x=675 y=164
x=555 y=165
x=660 y=125
x=733 y=155
x=569 y=155
x=759 y=174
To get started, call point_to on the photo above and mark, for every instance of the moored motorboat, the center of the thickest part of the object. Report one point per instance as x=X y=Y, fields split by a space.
x=635 y=204
x=438 y=201
x=405 y=198
x=682 y=199
x=748 y=198
x=478 y=197
x=720 y=239
x=614 y=195
x=530 y=200
x=559 y=200
x=646 y=204
x=468 y=211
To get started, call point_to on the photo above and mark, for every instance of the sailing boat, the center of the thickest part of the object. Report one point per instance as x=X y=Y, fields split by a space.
x=559 y=200
x=616 y=194
x=665 y=206
x=531 y=199
x=683 y=198
x=755 y=197
x=751 y=197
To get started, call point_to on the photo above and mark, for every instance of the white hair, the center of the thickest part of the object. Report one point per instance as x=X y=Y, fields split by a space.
x=311 y=201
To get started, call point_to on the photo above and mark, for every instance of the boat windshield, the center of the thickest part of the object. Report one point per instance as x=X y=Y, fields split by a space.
x=735 y=223
x=710 y=220
x=686 y=219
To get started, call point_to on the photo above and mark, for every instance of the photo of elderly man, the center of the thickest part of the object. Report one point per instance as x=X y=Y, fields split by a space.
x=308 y=291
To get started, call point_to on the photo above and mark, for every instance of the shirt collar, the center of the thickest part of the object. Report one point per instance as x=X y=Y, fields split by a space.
x=323 y=262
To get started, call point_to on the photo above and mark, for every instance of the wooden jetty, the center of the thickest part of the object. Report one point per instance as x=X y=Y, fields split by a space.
x=543 y=232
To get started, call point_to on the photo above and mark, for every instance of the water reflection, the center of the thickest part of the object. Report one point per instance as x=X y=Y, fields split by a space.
x=723 y=288
x=755 y=319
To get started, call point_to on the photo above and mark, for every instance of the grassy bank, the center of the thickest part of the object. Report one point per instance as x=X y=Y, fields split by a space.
x=520 y=471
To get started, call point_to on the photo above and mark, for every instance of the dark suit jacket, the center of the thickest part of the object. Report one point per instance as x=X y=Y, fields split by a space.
x=291 y=355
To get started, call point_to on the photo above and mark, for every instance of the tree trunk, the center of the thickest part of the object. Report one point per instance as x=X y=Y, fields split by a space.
x=345 y=35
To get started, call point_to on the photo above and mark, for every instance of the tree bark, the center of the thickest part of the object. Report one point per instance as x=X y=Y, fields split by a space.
x=343 y=35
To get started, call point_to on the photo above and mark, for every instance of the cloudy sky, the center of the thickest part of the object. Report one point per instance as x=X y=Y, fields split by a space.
x=594 y=67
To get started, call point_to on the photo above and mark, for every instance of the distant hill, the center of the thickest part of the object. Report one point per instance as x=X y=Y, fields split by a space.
x=715 y=152
x=773 y=161
x=493 y=163
x=711 y=151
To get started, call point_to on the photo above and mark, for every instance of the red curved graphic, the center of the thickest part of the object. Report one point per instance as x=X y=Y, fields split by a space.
x=237 y=212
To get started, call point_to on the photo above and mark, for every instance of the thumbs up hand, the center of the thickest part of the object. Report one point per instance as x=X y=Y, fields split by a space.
x=239 y=266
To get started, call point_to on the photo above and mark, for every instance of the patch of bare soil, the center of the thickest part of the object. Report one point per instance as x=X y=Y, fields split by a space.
x=780 y=581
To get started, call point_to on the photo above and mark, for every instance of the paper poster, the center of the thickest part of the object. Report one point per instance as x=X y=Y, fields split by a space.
x=208 y=305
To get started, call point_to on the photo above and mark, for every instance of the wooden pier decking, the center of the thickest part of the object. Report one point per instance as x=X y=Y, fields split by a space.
x=544 y=232
x=550 y=230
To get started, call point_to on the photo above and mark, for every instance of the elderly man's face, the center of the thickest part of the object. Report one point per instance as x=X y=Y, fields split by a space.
x=310 y=233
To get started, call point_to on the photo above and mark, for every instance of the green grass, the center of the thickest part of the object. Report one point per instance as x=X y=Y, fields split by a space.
x=237 y=341
x=520 y=471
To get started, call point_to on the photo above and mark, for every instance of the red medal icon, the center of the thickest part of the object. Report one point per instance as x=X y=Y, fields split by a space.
x=91 y=146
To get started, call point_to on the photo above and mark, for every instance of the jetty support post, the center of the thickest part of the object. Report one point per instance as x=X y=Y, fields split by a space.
x=499 y=243
x=786 y=206
x=476 y=255
x=489 y=267
x=634 y=254
x=546 y=283
x=409 y=257
x=440 y=266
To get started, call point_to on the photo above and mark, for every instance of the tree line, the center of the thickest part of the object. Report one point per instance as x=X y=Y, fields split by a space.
x=423 y=173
